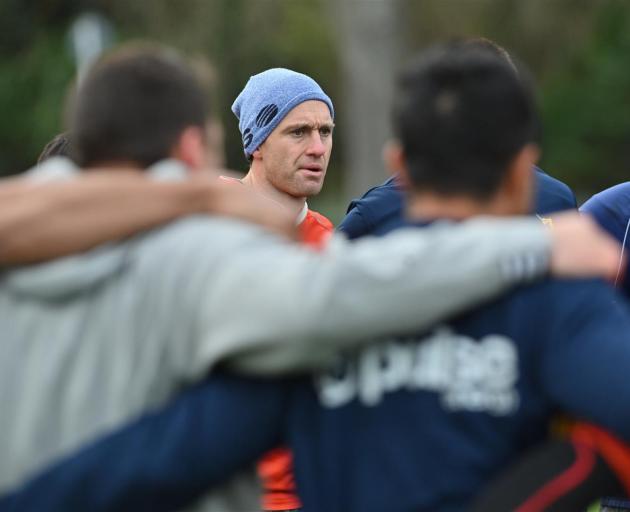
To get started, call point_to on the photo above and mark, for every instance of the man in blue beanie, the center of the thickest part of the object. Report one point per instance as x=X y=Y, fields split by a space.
x=286 y=123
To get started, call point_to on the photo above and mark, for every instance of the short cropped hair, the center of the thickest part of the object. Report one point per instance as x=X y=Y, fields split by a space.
x=133 y=106
x=462 y=114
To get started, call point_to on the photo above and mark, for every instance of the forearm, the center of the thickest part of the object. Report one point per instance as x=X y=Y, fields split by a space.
x=44 y=221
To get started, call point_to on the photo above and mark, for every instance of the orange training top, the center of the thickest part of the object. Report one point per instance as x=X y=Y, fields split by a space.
x=275 y=469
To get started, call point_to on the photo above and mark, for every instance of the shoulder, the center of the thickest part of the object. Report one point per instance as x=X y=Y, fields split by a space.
x=611 y=209
x=384 y=193
x=230 y=180
x=315 y=229
x=320 y=220
x=552 y=194
x=377 y=205
x=614 y=199
x=552 y=182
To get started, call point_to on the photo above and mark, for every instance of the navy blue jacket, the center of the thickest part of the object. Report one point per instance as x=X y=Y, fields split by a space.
x=380 y=209
x=424 y=423
x=155 y=462
x=611 y=210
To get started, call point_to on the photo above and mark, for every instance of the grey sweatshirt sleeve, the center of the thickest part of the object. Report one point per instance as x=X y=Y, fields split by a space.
x=278 y=308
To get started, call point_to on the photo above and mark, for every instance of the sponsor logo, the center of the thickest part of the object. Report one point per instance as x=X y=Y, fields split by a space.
x=467 y=374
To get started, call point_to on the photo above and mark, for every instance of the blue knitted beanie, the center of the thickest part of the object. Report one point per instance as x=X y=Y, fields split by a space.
x=267 y=98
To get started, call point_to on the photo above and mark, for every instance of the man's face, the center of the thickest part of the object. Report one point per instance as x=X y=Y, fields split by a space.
x=294 y=157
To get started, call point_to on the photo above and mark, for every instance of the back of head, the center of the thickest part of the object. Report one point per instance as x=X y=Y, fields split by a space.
x=133 y=106
x=462 y=114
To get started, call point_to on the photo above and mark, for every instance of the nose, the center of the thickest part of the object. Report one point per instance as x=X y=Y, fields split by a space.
x=316 y=145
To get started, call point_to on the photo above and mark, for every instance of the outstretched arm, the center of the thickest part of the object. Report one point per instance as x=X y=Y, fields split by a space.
x=353 y=292
x=171 y=457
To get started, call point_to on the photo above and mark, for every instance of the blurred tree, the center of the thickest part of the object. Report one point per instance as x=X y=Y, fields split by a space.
x=587 y=107
x=577 y=50
x=368 y=38
x=35 y=70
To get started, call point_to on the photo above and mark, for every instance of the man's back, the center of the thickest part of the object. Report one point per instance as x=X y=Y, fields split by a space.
x=422 y=423
x=94 y=340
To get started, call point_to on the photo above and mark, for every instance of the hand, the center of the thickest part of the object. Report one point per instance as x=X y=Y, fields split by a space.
x=243 y=203
x=581 y=249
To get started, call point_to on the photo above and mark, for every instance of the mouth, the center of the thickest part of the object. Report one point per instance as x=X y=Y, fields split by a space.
x=312 y=168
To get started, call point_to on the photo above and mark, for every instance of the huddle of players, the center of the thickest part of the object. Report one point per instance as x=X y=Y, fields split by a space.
x=418 y=422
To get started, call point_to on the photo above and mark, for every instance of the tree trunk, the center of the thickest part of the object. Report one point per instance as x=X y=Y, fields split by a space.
x=369 y=39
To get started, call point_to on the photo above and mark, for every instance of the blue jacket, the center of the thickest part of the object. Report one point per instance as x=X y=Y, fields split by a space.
x=611 y=210
x=155 y=463
x=424 y=423
x=381 y=208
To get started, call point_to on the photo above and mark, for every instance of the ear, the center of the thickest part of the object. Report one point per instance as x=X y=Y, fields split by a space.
x=394 y=158
x=518 y=185
x=257 y=154
x=191 y=148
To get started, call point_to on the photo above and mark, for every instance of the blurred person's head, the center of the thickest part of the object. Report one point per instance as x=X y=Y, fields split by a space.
x=286 y=123
x=466 y=128
x=59 y=145
x=138 y=105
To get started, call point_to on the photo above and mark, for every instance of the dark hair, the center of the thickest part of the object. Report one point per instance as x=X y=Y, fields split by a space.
x=462 y=114
x=483 y=43
x=59 y=145
x=133 y=106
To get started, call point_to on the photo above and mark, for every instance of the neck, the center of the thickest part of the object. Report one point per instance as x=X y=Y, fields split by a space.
x=427 y=206
x=292 y=204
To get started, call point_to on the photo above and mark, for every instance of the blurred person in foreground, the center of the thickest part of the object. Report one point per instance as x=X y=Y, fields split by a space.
x=413 y=422
x=98 y=339
x=286 y=124
x=382 y=207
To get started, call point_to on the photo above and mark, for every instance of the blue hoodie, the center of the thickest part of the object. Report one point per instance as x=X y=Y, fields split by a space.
x=611 y=210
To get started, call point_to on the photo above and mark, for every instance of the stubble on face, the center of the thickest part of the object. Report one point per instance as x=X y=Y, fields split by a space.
x=294 y=158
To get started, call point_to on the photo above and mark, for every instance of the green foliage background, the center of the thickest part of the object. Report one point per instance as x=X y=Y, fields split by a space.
x=578 y=50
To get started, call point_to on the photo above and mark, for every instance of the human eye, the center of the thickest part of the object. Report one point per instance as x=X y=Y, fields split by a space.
x=325 y=131
x=298 y=132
